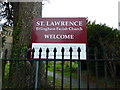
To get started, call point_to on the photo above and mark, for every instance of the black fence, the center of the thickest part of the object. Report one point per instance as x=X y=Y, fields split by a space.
x=21 y=72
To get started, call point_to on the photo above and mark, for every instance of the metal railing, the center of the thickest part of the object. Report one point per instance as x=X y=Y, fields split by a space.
x=22 y=72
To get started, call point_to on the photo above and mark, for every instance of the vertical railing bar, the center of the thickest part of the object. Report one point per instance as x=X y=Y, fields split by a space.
x=4 y=64
x=46 y=79
x=88 y=75
x=23 y=75
x=10 y=71
x=46 y=74
x=16 y=70
x=96 y=67
x=31 y=68
x=105 y=72
x=105 y=65
x=62 y=79
x=30 y=79
x=79 y=69
x=39 y=78
x=55 y=50
x=54 y=75
x=79 y=82
x=70 y=67
x=24 y=69
x=70 y=75
x=115 y=79
x=114 y=67
x=40 y=54
x=88 y=71
x=62 y=74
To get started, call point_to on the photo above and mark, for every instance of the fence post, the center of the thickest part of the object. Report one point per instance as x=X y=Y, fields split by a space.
x=79 y=69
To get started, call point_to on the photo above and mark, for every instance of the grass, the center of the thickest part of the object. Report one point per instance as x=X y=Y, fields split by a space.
x=66 y=69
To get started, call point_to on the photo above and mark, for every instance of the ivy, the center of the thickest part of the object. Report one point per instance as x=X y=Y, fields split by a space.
x=16 y=32
x=17 y=50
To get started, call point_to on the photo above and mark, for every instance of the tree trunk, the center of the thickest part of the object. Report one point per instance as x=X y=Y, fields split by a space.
x=24 y=13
